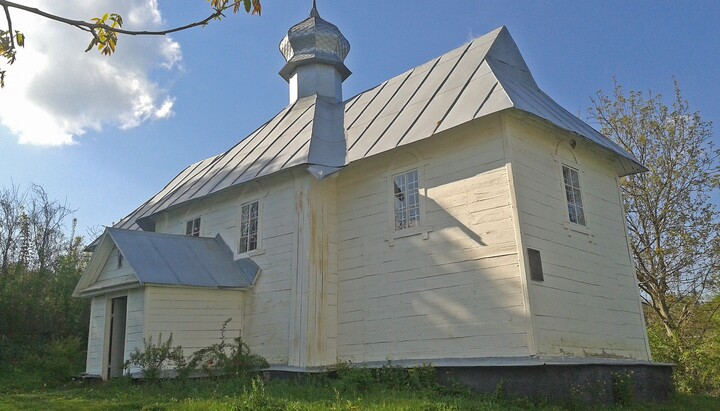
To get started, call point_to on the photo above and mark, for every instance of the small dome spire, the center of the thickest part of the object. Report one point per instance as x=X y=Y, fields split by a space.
x=314 y=40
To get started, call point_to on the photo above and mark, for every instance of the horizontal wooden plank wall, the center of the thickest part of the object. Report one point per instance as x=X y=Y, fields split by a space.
x=112 y=275
x=194 y=316
x=455 y=293
x=266 y=305
x=587 y=304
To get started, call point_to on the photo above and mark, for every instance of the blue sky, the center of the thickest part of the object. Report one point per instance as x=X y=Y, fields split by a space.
x=205 y=89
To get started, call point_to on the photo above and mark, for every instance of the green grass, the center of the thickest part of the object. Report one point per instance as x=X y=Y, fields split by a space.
x=355 y=391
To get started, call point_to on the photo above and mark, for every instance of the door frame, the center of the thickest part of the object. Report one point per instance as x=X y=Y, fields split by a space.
x=115 y=310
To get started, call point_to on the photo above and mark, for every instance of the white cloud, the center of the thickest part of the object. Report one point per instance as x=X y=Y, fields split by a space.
x=55 y=92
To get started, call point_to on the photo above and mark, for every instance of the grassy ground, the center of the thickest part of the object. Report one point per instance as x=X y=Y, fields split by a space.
x=20 y=391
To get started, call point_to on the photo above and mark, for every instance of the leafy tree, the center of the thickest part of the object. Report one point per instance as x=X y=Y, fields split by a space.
x=105 y=29
x=11 y=212
x=674 y=225
x=40 y=267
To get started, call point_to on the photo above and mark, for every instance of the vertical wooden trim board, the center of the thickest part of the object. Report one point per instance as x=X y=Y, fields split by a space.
x=507 y=147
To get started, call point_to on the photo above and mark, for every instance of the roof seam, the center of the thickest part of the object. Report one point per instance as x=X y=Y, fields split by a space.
x=276 y=139
x=429 y=101
x=162 y=200
x=381 y=109
x=457 y=98
x=249 y=141
x=382 y=87
x=285 y=146
x=437 y=60
x=295 y=153
x=350 y=103
x=487 y=97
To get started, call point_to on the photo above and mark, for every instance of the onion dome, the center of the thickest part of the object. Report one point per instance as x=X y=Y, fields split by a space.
x=314 y=40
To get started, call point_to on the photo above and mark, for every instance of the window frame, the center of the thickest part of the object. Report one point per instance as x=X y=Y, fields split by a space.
x=258 y=229
x=572 y=229
x=192 y=232
x=408 y=222
x=571 y=188
x=422 y=228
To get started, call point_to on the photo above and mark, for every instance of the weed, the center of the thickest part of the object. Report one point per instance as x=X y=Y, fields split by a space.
x=227 y=358
x=257 y=399
x=623 y=387
x=500 y=393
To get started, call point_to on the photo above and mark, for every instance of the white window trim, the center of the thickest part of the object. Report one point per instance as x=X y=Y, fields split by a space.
x=260 y=249
x=202 y=226
x=422 y=228
x=570 y=227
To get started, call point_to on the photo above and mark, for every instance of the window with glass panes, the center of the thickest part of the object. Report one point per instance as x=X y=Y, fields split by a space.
x=192 y=227
x=249 y=227
x=407 y=200
x=571 y=180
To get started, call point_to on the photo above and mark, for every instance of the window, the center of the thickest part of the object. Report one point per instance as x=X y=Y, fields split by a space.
x=249 y=227
x=119 y=259
x=192 y=227
x=573 y=195
x=407 y=200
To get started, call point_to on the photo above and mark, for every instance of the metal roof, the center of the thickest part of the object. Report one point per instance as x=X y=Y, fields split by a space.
x=170 y=259
x=482 y=77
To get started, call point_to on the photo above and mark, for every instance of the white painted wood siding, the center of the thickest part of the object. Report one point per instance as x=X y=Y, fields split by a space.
x=456 y=293
x=313 y=303
x=193 y=316
x=267 y=305
x=112 y=275
x=96 y=336
x=587 y=304
x=135 y=322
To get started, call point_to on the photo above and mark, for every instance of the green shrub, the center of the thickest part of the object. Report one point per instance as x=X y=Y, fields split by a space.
x=154 y=357
x=697 y=369
x=227 y=358
x=49 y=364
x=222 y=358
x=65 y=358
x=361 y=379
x=355 y=379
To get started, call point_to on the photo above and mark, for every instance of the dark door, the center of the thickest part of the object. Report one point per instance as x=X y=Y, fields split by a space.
x=116 y=356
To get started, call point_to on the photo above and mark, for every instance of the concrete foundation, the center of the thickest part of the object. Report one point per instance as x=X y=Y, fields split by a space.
x=576 y=380
x=568 y=383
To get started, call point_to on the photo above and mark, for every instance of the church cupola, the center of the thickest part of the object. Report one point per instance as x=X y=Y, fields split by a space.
x=315 y=52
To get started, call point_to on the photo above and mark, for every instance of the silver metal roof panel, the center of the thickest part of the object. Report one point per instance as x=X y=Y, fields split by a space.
x=480 y=78
x=169 y=259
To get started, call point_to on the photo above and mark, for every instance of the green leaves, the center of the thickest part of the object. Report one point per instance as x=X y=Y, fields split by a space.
x=8 y=44
x=104 y=34
x=673 y=223
x=251 y=7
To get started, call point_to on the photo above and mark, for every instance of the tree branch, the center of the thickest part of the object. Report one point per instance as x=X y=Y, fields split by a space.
x=10 y=29
x=88 y=26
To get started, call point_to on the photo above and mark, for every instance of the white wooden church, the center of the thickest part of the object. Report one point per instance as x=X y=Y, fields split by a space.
x=454 y=214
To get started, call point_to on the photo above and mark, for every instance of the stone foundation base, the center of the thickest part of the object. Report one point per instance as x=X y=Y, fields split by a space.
x=573 y=380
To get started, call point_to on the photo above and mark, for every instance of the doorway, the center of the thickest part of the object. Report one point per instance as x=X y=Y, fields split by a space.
x=116 y=340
